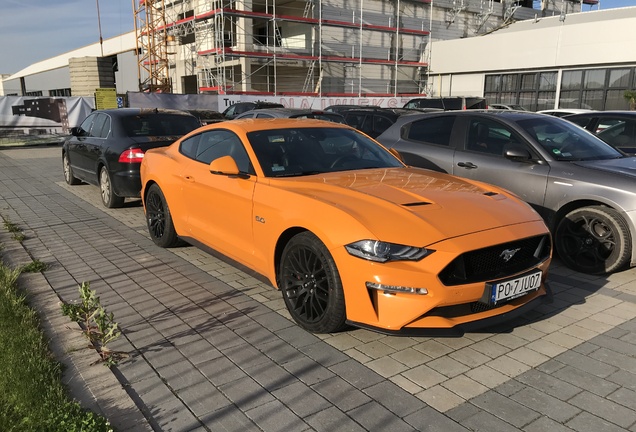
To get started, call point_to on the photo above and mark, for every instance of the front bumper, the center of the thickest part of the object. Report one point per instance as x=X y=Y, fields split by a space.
x=460 y=329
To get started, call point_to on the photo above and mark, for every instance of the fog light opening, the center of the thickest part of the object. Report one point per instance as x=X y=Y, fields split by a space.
x=394 y=289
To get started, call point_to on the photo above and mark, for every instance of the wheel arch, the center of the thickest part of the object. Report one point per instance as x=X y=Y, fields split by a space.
x=144 y=190
x=282 y=241
x=573 y=205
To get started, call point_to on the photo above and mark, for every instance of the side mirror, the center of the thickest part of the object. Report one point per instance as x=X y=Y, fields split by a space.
x=226 y=165
x=76 y=131
x=517 y=153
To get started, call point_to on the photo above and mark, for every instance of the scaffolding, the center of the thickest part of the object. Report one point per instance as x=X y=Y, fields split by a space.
x=152 y=46
x=262 y=47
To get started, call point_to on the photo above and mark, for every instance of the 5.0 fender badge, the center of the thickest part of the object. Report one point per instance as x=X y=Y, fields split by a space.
x=260 y=219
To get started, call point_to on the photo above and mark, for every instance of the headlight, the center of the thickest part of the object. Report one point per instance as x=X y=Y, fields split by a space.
x=375 y=250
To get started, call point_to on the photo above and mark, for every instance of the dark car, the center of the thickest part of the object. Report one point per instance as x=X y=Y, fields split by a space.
x=239 y=108
x=107 y=148
x=584 y=188
x=374 y=121
x=448 y=103
x=617 y=128
x=292 y=113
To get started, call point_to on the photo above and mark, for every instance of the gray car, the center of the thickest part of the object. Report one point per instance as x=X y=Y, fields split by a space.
x=584 y=188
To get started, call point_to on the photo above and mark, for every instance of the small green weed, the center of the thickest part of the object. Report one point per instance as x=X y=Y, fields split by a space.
x=36 y=266
x=17 y=233
x=98 y=326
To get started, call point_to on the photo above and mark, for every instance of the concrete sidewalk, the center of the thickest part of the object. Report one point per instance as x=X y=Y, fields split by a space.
x=213 y=349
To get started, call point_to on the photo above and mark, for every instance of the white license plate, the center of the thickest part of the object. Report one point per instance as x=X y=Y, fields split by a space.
x=513 y=288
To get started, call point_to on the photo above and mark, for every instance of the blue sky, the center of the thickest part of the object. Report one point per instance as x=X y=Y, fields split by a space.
x=35 y=30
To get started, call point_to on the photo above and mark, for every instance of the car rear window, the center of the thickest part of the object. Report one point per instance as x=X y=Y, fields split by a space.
x=159 y=124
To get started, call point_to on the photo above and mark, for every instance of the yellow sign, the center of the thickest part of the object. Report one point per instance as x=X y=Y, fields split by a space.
x=105 y=98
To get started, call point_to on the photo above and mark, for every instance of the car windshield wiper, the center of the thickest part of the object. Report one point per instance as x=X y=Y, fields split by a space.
x=299 y=174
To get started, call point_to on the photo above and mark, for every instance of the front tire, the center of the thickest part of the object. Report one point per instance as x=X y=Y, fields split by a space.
x=68 y=171
x=594 y=240
x=109 y=199
x=311 y=286
x=159 y=220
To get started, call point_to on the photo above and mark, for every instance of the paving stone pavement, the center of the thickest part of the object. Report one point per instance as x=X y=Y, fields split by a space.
x=212 y=348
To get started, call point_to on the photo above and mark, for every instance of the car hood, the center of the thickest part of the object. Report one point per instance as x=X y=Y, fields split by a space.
x=625 y=166
x=434 y=206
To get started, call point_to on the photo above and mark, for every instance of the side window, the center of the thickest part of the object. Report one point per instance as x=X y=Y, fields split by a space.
x=264 y=116
x=98 y=126
x=486 y=136
x=381 y=124
x=231 y=111
x=189 y=146
x=354 y=120
x=218 y=143
x=435 y=130
x=241 y=108
x=85 y=127
x=367 y=125
x=583 y=122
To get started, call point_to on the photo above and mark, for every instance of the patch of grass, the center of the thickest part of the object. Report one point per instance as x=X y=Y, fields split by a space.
x=32 y=396
x=17 y=233
x=36 y=266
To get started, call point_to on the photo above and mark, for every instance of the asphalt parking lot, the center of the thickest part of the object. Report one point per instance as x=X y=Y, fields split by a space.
x=213 y=349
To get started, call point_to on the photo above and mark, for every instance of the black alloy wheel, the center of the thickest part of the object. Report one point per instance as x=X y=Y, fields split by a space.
x=311 y=286
x=159 y=220
x=593 y=240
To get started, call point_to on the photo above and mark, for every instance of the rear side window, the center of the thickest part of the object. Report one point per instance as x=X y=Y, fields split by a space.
x=435 y=130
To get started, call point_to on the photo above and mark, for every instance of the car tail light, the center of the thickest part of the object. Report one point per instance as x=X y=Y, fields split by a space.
x=134 y=155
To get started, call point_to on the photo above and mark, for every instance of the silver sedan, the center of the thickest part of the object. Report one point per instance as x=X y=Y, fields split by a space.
x=584 y=189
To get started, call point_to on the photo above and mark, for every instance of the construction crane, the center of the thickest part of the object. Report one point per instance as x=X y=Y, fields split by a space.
x=152 y=46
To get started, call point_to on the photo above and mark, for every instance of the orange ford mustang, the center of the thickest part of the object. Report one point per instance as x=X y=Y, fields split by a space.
x=347 y=232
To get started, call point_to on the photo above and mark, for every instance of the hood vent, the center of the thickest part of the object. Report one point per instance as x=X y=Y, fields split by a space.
x=416 y=204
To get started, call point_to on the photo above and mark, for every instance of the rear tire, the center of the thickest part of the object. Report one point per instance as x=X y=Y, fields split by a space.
x=594 y=240
x=311 y=286
x=68 y=171
x=109 y=199
x=159 y=219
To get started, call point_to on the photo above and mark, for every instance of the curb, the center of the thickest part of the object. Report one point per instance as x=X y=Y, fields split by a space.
x=94 y=386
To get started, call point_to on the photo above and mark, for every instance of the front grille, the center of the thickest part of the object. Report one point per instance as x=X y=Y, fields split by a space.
x=488 y=264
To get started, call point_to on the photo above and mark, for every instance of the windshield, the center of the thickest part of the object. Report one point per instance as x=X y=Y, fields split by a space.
x=566 y=141
x=305 y=151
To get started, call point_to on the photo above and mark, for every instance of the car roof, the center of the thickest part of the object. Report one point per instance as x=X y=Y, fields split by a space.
x=511 y=115
x=614 y=113
x=126 y=112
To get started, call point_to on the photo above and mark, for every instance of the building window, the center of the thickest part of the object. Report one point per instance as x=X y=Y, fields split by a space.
x=594 y=79
x=60 y=92
x=571 y=80
x=33 y=93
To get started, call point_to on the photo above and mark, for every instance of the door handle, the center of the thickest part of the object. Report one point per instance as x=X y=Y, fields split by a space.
x=469 y=165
